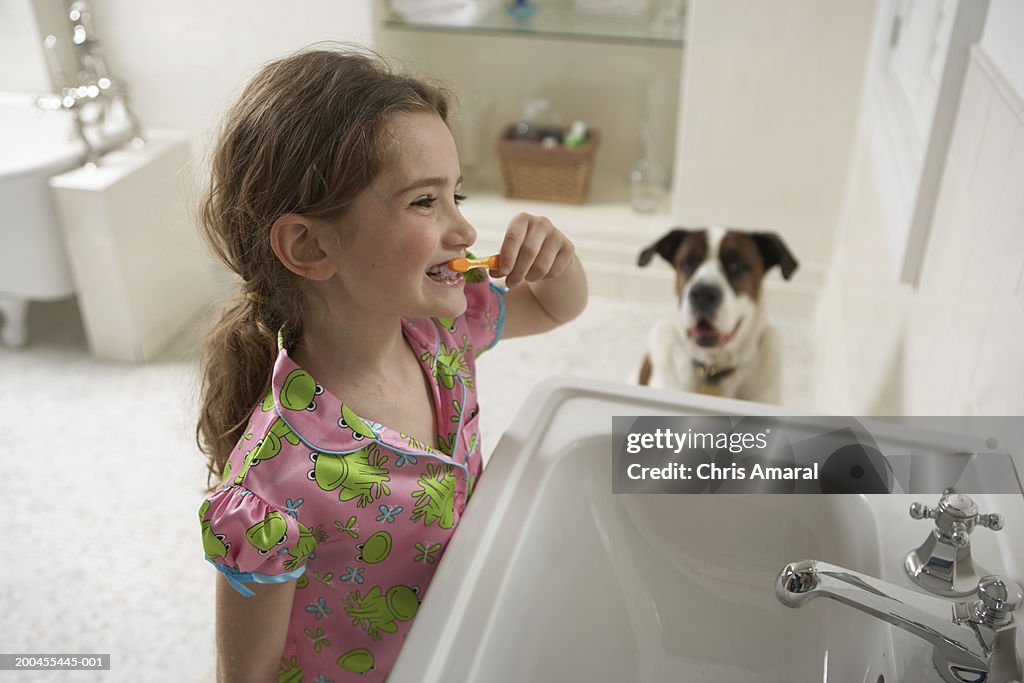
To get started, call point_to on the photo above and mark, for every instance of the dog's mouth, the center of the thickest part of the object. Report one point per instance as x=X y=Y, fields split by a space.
x=706 y=335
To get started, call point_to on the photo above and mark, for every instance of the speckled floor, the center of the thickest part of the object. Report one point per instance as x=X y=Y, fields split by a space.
x=102 y=478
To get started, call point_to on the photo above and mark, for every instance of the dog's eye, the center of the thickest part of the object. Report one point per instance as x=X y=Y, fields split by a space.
x=687 y=265
x=734 y=266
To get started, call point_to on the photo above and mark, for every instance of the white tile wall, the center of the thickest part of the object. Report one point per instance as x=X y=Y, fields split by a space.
x=750 y=62
x=961 y=337
x=21 y=55
x=970 y=124
x=984 y=174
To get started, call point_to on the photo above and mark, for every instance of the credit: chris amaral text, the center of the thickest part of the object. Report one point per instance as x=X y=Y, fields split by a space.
x=710 y=471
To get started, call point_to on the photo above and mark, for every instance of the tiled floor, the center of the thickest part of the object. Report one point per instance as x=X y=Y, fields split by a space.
x=102 y=478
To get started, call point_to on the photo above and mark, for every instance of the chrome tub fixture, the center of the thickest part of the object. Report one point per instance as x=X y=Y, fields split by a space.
x=943 y=564
x=91 y=93
x=974 y=641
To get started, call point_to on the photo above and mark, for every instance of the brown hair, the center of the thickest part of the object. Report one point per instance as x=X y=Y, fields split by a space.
x=307 y=136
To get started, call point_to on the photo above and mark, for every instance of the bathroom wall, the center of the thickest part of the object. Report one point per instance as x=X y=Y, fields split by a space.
x=22 y=67
x=186 y=60
x=1002 y=40
x=950 y=346
x=769 y=108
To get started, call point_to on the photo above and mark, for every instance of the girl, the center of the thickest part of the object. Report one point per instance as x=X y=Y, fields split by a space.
x=339 y=396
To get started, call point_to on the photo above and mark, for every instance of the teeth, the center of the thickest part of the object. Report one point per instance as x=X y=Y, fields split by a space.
x=443 y=273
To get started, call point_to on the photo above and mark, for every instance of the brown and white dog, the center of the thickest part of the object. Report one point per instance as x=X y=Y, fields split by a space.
x=718 y=342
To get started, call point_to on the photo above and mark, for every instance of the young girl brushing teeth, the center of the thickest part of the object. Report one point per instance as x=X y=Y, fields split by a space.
x=339 y=395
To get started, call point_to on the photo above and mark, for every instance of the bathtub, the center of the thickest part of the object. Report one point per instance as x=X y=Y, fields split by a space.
x=36 y=145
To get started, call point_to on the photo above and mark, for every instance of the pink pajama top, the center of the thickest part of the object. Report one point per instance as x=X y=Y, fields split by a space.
x=357 y=514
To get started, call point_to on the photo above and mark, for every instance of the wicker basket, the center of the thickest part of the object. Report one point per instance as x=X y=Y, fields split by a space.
x=555 y=174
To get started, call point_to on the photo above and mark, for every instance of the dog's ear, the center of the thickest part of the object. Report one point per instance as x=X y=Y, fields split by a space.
x=775 y=253
x=666 y=246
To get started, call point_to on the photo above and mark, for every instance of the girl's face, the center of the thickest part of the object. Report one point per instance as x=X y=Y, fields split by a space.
x=406 y=224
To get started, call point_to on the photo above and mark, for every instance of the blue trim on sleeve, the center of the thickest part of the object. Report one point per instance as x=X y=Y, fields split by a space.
x=500 y=327
x=236 y=578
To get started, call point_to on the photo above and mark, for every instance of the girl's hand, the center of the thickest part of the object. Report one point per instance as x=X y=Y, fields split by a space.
x=533 y=250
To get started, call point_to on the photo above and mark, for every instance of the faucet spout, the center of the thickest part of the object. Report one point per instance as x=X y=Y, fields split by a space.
x=973 y=641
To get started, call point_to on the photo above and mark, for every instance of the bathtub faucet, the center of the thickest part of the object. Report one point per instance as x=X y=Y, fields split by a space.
x=974 y=641
x=88 y=96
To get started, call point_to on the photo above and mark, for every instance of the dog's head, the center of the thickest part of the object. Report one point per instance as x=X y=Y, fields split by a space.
x=718 y=278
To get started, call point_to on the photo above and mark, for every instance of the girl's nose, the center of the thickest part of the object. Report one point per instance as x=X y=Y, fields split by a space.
x=462 y=233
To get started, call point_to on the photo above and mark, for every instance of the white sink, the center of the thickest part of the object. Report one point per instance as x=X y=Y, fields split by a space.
x=552 y=577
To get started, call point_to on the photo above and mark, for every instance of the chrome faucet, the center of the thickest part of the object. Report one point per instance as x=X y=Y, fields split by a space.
x=974 y=641
x=90 y=93
x=943 y=563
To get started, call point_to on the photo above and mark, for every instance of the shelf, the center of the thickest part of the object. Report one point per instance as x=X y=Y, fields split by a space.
x=552 y=22
x=608 y=236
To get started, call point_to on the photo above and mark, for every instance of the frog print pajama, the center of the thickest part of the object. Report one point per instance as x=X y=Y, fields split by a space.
x=358 y=515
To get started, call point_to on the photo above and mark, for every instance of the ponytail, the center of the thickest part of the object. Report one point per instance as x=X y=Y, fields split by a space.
x=237 y=365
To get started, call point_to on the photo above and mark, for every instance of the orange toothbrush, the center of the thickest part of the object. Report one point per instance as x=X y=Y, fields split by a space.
x=461 y=265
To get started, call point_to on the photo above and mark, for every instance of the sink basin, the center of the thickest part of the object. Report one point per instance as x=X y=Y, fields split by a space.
x=554 y=577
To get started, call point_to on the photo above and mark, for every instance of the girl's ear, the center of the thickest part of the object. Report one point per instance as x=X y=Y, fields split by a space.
x=296 y=242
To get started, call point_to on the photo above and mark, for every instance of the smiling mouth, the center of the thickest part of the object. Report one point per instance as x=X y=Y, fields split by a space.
x=706 y=335
x=442 y=274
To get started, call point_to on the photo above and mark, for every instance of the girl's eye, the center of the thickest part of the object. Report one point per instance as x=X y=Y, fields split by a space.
x=428 y=202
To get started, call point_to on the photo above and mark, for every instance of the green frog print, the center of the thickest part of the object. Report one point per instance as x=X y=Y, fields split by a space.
x=435 y=497
x=214 y=545
x=298 y=392
x=451 y=362
x=302 y=549
x=289 y=671
x=266 y=534
x=377 y=612
x=360 y=475
x=357 y=425
x=358 y=661
x=375 y=549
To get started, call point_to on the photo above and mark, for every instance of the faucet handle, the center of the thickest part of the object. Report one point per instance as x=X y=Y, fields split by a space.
x=943 y=563
x=998 y=599
x=959 y=535
x=993 y=521
x=922 y=511
x=955 y=516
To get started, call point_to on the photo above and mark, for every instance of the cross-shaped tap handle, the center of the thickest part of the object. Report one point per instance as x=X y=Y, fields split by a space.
x=955 y=516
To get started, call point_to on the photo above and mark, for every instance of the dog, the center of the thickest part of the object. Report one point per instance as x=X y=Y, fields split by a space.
x=718 y=341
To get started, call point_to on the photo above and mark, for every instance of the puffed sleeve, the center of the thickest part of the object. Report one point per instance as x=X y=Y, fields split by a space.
x=249 y=540
x=484 y=318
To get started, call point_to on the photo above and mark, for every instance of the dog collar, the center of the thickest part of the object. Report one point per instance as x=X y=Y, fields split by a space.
x=711 y=374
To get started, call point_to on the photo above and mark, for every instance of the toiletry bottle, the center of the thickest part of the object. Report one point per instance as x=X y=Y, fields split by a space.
x=521 y=9
x=536 y=111
x=577 y=134
x=648 y=178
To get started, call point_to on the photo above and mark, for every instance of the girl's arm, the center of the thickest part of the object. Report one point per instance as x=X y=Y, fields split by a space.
x=547 y=285
x=251 y=631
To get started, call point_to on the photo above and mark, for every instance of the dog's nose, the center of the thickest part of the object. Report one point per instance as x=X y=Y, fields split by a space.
x=705 y=297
